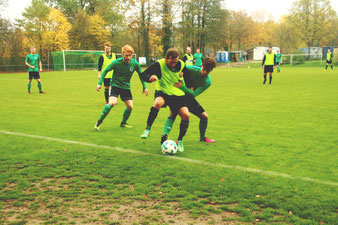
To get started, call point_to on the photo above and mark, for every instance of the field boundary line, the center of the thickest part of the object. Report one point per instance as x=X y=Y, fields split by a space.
x=240 y=168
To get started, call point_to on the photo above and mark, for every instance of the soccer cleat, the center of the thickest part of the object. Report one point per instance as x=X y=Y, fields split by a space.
x=146 y=134
x=180 y=147
x=28 y=93
x=107 y=103
x=164 y=137
x=97 y=125
x=207 y=140
x=42 y=92
x=325 y=70
x=125 y=125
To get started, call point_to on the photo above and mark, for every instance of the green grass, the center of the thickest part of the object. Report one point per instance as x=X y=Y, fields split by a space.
x=289 y=127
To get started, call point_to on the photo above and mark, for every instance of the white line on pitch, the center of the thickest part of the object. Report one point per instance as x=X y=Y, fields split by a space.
x=251 y=170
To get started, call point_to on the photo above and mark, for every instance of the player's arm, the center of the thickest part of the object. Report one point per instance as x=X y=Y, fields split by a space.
x=27 y=64
x=197 y=91
x=100 y=66
x=104 y=73
x=263 y=61
x=144 y=86
x=184 y=58
x=40 y=64
x=274 y=61
x=281 y=59
x=152 y=73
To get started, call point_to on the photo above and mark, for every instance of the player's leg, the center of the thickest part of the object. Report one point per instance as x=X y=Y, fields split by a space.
x=184 y=114
x=37 y=77
x=326 y=66
x=106 y=89
x=114 y=93
x=29 y=84
x=203 y=127
x=331 y=66
x=128 y=101
x=158 y=103
x=126 y=113
x=270 y=78
x=264 y=78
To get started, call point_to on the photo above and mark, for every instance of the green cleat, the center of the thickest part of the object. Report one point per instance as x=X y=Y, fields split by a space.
x=146 y=134
x=97 y=125
x=125 y=125
x=180 y=147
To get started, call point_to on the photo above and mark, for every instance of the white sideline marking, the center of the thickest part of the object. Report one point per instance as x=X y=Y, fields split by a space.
x=269 y=173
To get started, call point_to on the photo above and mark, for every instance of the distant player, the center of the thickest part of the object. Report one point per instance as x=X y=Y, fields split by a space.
x=197 y=80
x=329 y=57
x=278 y=60
x=104 y=60
x=188 y=58
x=120 y=84
x=198 y=58
x=167 y=72
x=33 y=62
x=269 y=63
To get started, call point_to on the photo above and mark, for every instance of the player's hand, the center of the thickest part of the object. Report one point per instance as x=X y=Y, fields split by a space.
x=98 y=87
x=181 y=74
x=152 y=78
x=40 y=69
x=178 y=84
x=145 y=91
x=32 y=67
x=274 y=67
x=262 y=67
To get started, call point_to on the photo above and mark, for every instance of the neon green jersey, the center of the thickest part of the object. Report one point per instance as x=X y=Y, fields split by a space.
x=106 y=62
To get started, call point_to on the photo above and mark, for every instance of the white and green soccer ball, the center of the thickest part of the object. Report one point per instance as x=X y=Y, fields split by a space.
x=169 y=147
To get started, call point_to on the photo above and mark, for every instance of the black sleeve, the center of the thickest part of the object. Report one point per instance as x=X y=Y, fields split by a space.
x=263 y=61
x=274 y=60
x=154 y=69
x=186 y=77
x=184 y=58
x=100 y=63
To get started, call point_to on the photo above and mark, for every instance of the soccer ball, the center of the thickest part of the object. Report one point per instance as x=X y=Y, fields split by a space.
x=169 y=147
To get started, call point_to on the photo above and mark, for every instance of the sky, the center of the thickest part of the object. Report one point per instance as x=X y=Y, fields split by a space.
x=275 y=7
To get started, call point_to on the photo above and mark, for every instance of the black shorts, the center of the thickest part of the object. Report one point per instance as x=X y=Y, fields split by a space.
x=268 y=69
x=193 y=106
x=329 y=61
x=277 y=63
x=125 y=94
x=106 y=82
x=33 y=74
x=174 y=102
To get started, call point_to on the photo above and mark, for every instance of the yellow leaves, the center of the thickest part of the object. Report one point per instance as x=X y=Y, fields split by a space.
x=98 y=29
x=57 y=27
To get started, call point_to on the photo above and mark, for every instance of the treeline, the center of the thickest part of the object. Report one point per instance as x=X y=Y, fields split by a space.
x=152 y=27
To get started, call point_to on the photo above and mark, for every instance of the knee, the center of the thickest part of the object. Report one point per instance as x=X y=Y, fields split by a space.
x=204 y=116
x=185 y=116
x=158 y=105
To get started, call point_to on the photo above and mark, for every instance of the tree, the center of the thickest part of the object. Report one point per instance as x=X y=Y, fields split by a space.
x=166 y=25
x=310 y=19
x=56 y=37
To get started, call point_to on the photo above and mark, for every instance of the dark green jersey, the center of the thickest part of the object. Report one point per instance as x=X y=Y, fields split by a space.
x=122 y=73
x=278 y=57
x=33 y=60
x=194 y=79
x=198 y=59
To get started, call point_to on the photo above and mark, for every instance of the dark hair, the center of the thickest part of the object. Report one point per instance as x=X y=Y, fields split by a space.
x=209 y=64
x=106 y=44
x=172 y=53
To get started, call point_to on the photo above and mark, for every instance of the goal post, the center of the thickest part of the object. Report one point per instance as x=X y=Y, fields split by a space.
x=79 y=59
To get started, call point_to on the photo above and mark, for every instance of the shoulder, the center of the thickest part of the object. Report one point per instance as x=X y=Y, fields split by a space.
x=135 y=62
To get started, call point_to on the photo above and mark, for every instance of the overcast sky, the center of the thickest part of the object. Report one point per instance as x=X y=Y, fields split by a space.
x=275 y=7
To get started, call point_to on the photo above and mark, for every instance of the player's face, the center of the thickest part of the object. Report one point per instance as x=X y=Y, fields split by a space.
x=328 y=50
x=107 y=48
x=188 y=50
x=270 y=50
x=33 y=50
x=198 y=51
x=205 y=72
x=171 y=62
x=127 y=56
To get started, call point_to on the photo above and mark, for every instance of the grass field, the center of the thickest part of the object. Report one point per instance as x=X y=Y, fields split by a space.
x=274 y=162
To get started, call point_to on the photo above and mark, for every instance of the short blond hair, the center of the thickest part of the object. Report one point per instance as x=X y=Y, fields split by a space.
x=127 y=48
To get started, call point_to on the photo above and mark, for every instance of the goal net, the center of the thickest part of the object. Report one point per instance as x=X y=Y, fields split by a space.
x=308 y=60
x=78 y=59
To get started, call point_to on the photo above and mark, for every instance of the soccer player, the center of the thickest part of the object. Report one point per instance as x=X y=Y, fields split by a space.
x=278 y=60
x=167 y=72
x=104 y=60
x=269 y=63
x=197 y=80
x=33 y=62
x=329 y=57
x=198 y=58
x=120 y=84
x=188 y=58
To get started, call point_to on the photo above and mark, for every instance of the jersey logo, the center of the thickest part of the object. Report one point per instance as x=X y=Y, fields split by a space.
x=131 y=69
